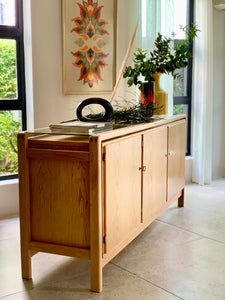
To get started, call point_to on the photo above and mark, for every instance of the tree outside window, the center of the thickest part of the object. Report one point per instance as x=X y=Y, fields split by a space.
x=12 y=85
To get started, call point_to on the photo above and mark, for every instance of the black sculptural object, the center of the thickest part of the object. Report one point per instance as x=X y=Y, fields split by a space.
x=104 y=103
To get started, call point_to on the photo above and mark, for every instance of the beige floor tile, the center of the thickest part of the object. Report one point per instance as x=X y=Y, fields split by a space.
x=204 y=211
x=182 y=254
x=206 y=198
x=195 y=220
x=219 y=237
x=166 y=233
x=195 y=270
x=59 y=277
x=10 y=274
x=9 y=229
x=118 y=284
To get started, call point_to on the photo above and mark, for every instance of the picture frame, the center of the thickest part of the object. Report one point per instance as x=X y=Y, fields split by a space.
x=89 y=46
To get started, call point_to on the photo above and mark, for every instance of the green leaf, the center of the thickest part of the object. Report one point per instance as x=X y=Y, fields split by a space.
x=164 y=58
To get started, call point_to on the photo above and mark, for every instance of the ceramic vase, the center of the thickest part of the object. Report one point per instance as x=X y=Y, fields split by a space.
x=161 y=97
x=147 y=97
x=147 y=90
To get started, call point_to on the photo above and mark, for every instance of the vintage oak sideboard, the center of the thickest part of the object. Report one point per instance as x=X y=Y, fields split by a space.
x=89 y=196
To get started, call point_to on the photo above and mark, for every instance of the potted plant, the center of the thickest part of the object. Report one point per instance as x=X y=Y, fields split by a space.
x=167 y=58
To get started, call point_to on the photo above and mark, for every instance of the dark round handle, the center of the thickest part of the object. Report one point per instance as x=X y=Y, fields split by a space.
x=104 y=103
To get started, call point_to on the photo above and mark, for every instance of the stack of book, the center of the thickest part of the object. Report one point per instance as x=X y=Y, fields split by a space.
x=81 y=128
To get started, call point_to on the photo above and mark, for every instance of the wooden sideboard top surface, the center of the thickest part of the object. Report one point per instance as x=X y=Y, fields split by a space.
x=72 y=142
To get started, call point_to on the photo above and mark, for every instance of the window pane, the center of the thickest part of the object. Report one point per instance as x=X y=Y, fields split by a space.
x=180 y=84
x=180 y=18
x=10 y=125
x=7 y=12
x=182 y=109
x=8 y=77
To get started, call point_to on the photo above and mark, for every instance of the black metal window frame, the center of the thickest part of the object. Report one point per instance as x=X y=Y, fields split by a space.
x=186 y=100
x=16 y=33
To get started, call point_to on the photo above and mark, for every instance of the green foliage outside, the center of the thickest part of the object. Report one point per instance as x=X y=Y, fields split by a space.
x=8 y=89
x=178 y=87
x=178 y=84
x=178 y=109
x=9 y=125
x=9 y=128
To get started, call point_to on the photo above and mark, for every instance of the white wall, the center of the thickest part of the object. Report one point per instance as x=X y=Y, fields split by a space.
x=50 y=104
x=218 y=160
x=9 y=198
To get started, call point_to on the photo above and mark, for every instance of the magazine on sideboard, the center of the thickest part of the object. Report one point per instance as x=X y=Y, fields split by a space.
x=79 y=127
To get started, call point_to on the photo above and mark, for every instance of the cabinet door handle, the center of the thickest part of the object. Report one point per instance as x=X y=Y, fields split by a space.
x=169 y=153
x=142 y=168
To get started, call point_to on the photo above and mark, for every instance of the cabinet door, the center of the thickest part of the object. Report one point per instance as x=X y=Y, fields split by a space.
x=155 y=172
x=122 y=191
x=176 y=158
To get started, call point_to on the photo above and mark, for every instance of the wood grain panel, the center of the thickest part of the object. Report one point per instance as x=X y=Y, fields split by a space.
x=123 y=190
x=60 y=250
x=96 y=214
x=58 y=154
x=155 y=174
x=60 y=207
x=176 y=158
x=24 y=204
x=60 y=142
x=131 y=129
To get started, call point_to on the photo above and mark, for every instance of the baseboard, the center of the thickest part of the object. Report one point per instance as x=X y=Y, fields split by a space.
x=188 y=169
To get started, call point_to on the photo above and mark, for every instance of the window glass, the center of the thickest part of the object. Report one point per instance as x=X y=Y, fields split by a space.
x=7 y=12
x=180 y=18
x=12 y=85
x=8 y=76
x=180 y=84
x=183 y=109
x=180 y=109
x=10 y=125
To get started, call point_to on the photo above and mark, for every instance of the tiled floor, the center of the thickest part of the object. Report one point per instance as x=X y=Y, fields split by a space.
x=179 y=256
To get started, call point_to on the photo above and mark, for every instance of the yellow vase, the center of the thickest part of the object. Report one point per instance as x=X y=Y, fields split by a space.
x=161 y=97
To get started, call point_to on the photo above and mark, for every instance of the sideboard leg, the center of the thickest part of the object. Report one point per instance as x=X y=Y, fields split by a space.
x=95 y=214
x=24 y=200
x=181 y=199
x=96 y=276
x=26 y=264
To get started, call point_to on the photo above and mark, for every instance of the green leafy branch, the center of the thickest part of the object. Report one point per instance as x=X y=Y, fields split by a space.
x=167 y=57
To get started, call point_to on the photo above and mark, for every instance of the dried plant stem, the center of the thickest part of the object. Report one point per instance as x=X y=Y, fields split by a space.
x=124 y=62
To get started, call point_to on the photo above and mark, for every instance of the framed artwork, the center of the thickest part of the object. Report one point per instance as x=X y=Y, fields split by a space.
x=89 y=46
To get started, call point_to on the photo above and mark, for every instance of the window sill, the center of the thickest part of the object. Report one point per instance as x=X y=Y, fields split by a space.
x=8 y=181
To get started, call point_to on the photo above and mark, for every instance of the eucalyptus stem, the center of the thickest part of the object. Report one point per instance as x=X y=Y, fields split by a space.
x=135 y=114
